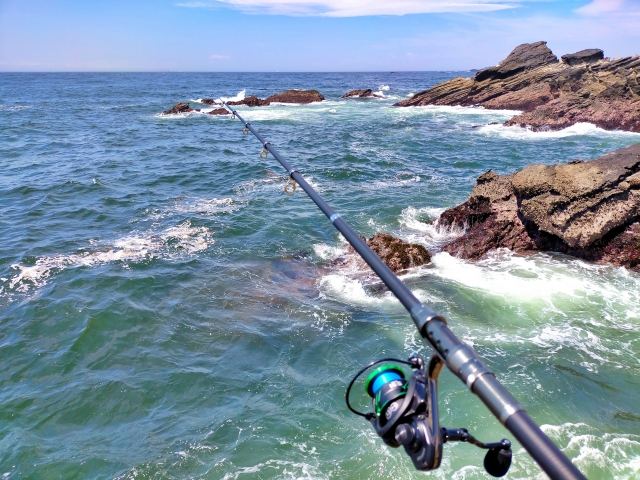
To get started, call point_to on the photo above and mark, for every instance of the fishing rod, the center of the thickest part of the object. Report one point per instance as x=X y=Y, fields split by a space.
x=406 y=410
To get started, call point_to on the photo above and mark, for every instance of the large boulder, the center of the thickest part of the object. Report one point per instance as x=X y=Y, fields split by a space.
x=397 y=254
x=590 y=55
x=587 y=209
x=584 y=87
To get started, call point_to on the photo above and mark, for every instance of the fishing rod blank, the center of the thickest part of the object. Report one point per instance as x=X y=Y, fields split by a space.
x=459 y=357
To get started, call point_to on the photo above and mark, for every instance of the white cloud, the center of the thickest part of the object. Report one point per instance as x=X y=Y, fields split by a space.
x=598 y=7
x=354 y=8
x=219 y=57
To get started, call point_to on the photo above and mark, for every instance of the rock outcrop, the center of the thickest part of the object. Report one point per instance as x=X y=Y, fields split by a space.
x=590 y=210
x=367 y=93
x=252 y=101
x=296 y=96
x=219 y=111
x=207 y=101
x=180 y=107
x=397 y=254
x=553 y=94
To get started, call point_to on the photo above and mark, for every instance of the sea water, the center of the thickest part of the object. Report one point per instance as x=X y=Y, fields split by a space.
x=166 y=311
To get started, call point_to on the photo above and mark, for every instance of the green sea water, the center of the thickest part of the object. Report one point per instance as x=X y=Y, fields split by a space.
x=166 y=311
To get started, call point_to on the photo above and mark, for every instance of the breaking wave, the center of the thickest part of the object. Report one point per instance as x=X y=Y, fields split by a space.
x=579 y=129
x=172 y=242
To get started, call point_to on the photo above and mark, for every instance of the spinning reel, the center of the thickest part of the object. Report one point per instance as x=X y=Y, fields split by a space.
x=406 y=413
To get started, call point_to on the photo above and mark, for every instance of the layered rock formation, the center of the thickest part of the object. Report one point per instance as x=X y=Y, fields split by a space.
x=367 y=93
x=590 y=210
x=397 y=254
x=553 y=94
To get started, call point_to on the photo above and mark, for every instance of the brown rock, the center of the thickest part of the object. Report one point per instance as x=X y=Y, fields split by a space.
x=395 y=253
x=368 y=93
x=590 y=210
x=252 y=101
x=219 y=111
x=179 y=107
x=296 y=96
x=553 y=95
x=207 y=101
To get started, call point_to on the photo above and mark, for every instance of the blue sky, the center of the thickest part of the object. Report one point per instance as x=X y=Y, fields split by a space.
x=302 y=35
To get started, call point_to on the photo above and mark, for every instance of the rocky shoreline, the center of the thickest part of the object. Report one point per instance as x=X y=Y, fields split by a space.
x=552 y=94
x=590 y=210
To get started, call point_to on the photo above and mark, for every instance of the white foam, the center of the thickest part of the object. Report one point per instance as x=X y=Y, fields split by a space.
x=205 y=206
x=506 y=274
x=329 y=252
x=579 y=129
x=174 y=241
x=384 y=88
x=459 y=110
x=239 y=97
x=431 y=233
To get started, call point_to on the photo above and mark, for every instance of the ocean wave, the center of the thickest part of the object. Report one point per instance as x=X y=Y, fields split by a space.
x=459 y=110
x=384 y=88
x=504 y=273
x=431 y=232
x=579 y=129
x=172 y=242
x=239 y=97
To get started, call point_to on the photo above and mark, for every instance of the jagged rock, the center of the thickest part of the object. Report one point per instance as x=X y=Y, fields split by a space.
x=397 y=254
x=207 y=101
x=252 y=101
x=590 y=210
x=296 y=96
x=590 y=55
x=179 y=107
x=368 y=93
x=524 y=57
x=552 y=95
x=219 y=111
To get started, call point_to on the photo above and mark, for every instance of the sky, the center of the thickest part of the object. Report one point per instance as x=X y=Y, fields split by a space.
x=302 y=35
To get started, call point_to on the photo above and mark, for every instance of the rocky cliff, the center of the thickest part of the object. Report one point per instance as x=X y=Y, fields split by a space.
x=553 y=94
x=590 y=210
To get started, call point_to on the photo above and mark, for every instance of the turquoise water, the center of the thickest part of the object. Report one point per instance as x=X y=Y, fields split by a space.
x=166 y=311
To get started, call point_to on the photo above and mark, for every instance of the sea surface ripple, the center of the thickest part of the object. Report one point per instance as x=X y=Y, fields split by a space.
x=166 y=311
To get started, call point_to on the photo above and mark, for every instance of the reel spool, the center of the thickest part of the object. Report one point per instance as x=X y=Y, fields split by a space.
x=405 y=413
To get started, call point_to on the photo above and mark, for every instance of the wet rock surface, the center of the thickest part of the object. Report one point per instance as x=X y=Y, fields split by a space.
x=296 y=96
x=590 y=210
x=397 y=254
x=179 y=107
x=219 y=111
x=583 y=87
x=367 y=93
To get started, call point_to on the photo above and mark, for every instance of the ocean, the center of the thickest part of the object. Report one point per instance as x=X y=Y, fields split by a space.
x=167 y=311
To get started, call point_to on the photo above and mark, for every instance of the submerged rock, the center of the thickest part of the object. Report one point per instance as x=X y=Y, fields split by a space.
x=368 y=93
x=395 y=253
x=590 y=210
x=179 y=107
x=584 y=87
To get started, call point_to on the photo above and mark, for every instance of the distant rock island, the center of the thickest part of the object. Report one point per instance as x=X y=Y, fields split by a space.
x=553 y=94
x=589 y=210
x=288 y=96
